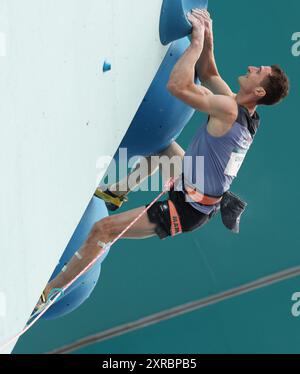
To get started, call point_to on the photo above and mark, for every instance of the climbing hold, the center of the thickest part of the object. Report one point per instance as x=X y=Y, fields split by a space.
x=161 y=117
x=174 y=23
x=106 y=67
x=83 y=287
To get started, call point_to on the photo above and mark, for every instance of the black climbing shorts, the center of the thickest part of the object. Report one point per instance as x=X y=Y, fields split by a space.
x=175 y=216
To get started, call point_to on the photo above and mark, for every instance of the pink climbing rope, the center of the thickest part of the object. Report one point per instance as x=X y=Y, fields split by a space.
x=169 y=184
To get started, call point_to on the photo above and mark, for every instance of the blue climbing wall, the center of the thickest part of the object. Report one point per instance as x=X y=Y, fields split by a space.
x=174 y=23
x=161 y=117
x=83 y=287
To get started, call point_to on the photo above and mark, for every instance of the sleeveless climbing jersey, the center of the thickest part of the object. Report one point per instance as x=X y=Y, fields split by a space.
x=222 y=157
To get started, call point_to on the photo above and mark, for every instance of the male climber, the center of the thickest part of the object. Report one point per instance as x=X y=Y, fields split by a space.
x=223 y=142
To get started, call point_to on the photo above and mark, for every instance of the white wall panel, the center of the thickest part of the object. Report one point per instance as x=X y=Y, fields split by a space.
x=58 y=114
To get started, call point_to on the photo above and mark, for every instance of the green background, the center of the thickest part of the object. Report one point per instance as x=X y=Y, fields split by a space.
x=143 y=277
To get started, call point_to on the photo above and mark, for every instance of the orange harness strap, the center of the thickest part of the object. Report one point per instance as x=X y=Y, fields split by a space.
x=200 y=198
x=176 y=227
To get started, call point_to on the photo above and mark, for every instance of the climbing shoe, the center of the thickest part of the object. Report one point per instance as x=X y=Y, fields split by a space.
x=112 y=201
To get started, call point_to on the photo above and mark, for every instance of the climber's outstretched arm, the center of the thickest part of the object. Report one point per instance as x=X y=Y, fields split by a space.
x=182 y=85
x=206 y=67
x=183 y=73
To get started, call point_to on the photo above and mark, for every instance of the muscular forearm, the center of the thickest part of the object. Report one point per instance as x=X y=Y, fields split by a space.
x=206 y=66
x=183 y=73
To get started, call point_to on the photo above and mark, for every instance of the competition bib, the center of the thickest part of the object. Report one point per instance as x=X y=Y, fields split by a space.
x=234 y=164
